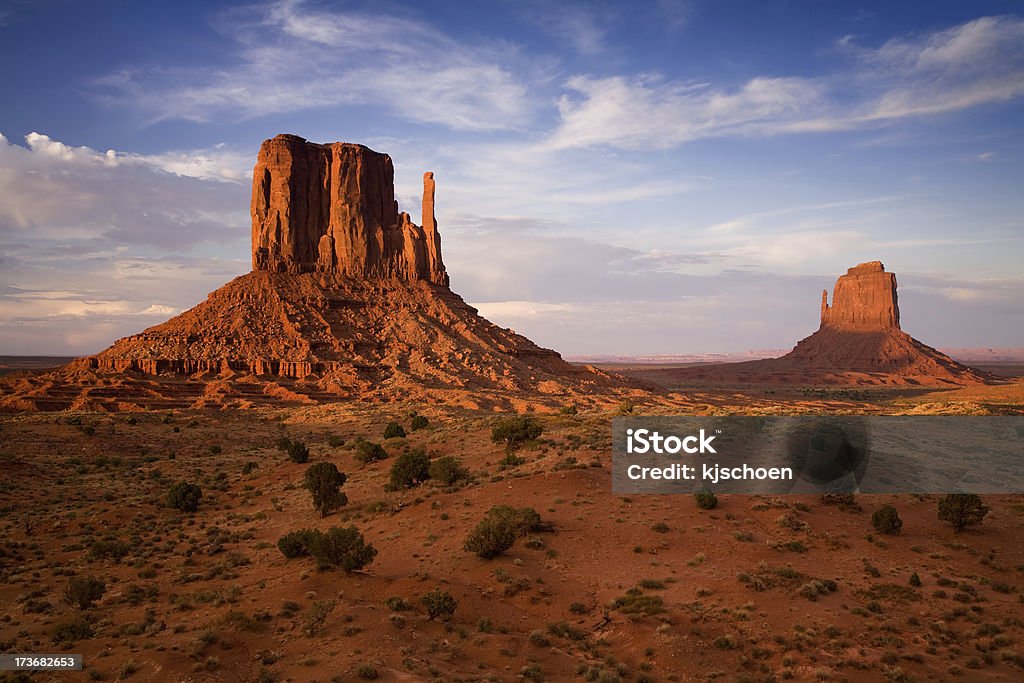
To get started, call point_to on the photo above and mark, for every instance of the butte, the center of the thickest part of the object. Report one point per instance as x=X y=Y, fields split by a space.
x=859 y=341
x=347 y=299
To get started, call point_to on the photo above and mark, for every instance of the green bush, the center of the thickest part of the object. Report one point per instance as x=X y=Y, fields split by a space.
x=324 y=482
x=515 y=431
x=109 y=549
x=706 y=500
x=283 y=444
x=448 y=471
x=296 y=543
x=499 y=529
x=344 y=548
x=490 y=537
x=439 y=603
x=410 y=469
x=962 y=510
x=886 y=520
x=522 y=520
x=297 y=452
x=394 y=431
x=71 y=631
x=367 y=672
x=184 y=496
x=419 y=422
x=83 y=591
x=367 y=452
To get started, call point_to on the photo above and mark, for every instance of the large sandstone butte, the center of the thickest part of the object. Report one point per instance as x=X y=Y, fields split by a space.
x=332 y=209
x=348 y=298
x=859 y=341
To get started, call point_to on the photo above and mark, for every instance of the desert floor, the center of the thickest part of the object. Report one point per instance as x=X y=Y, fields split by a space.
x=642 y=588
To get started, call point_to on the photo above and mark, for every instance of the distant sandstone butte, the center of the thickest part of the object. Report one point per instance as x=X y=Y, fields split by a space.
x=864 y=299
x=859 y=341
x=347 y=298
x=860 y=332
x=331 y=208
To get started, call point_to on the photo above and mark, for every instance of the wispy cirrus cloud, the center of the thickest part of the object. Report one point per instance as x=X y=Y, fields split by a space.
x=292 y=56
x=976 y=63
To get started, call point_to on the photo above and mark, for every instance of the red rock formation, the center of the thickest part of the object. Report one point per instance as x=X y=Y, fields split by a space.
x=859 y=341
x=863 y=299
x=347 y=299
x=331 y=208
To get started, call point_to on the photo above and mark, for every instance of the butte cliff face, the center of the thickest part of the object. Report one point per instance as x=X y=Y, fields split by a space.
x=863 y=299
x=347 y=298
x=860 y=332
x=859 y=341
x=331 y=208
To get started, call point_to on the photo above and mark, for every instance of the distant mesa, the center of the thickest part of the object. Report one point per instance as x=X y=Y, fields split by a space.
x=347 y=298
x=859 y=341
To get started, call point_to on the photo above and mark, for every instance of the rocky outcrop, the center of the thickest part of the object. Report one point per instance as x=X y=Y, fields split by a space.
x=331 y=208
x=863 y=299
x=859 y=341
x=347 y=299
x=860 y=332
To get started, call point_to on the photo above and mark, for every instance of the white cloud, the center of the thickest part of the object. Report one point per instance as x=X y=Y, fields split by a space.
x=87 y=237
x=647 y=113
x=976 y=63
x=50 y=190
x=294 y=57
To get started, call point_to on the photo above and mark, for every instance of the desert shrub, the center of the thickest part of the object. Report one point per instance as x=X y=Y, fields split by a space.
x=296 y=543
x=367 y=672
x=419 y=422
x=490 y=537
x=523 y=520
x=539 y=638
x=438 y=603
x=342 y=547
x=367 y=452
x=71 y=631
x=568 y=410
x=394 y=431
x=636 y=602
x=283 y=444
x=563 y=629
x=109 y=549
x=317 y=616
x=886 y=520
x=184 y=496
x=335 y=441
x=706 y=500
x=915 y=580
x=297 y=452
x=410 y=469
x=515 y=431
x=962 y=510
x=500 y=527
x=448 y=471
x=83 y=591
x=324 y=482
x=509 y=461
x=397 y=603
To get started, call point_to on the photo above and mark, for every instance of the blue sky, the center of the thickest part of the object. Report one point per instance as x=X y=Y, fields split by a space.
x=641 y=178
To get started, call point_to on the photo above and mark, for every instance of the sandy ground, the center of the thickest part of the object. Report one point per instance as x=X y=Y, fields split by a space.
x=641 y=588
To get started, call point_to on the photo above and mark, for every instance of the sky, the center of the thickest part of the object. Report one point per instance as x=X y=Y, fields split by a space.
x=663 y=177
